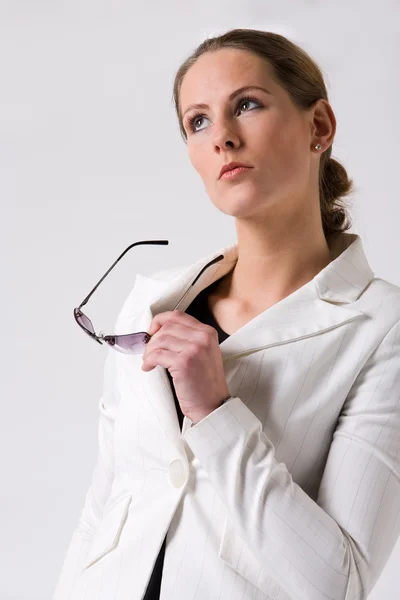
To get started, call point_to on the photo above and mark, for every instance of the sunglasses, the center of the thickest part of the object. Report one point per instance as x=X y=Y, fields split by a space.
x=129 y=343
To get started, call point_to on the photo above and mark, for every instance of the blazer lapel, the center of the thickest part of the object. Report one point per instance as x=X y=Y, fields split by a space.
x=320 y=305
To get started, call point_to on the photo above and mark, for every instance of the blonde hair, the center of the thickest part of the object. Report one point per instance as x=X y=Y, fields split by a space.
x=294 y=70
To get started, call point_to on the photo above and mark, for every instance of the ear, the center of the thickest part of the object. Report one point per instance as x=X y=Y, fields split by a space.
x=323 y=123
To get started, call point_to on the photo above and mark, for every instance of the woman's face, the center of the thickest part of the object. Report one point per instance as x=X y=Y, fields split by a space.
x=267 y=132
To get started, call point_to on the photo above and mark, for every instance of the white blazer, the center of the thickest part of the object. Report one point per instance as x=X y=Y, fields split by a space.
x=289 y=490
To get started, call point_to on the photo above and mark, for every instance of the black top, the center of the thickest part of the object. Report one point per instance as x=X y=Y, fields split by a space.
x=200 y=310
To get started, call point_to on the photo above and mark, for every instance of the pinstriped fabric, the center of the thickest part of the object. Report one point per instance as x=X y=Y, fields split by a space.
x=290 y=489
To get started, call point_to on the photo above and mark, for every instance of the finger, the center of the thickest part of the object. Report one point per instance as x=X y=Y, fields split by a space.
x=175 y=316
x=162 y=357
x=179 y=331
x=177 y=338
x=166 y=341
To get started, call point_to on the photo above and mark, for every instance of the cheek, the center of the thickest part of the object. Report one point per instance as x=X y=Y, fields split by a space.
x=200 y=160
x=278 y=130
x=285 y=148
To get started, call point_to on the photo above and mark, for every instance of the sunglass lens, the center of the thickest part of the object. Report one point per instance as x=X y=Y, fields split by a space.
x=85 y=322
x=131 y=343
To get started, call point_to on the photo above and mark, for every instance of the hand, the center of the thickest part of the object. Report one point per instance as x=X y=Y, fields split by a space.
x=190 y=351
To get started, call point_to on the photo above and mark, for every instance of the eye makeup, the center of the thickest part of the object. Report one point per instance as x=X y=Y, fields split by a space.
x=191 y=120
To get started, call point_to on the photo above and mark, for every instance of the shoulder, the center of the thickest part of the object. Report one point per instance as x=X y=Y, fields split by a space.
x=169 y=273
x=379 y=295
x=380 y=302
x=143 y=290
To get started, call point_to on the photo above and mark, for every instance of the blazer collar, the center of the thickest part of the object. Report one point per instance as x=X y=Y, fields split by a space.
x=324 y=303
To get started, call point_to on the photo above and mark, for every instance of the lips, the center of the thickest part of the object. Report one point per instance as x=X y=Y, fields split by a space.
x=230 y=166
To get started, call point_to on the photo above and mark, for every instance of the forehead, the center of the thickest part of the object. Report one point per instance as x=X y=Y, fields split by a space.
x=217 y=74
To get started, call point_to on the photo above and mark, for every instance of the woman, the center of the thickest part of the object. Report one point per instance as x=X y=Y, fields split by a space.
x=280 y=476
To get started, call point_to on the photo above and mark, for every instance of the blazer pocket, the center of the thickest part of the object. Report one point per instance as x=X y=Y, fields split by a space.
x=234 y=551
x=109 y=530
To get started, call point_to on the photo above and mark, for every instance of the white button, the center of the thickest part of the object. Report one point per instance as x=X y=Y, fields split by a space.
x=177 y=473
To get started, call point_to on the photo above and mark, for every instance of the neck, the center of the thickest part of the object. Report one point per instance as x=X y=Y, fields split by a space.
x=272 y=264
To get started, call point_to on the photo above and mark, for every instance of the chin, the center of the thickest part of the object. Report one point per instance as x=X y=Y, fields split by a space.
x=239 y=205
x=239 y=209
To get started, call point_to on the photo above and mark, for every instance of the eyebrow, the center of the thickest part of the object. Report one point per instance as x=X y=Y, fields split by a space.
x=233 y=95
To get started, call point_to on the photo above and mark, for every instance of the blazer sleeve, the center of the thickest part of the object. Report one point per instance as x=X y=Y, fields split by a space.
x=99 y=489
x=337 y=546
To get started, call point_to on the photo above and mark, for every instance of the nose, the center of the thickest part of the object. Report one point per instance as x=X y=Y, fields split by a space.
x=225 y=137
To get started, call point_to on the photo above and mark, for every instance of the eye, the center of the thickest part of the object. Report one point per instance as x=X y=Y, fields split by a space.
x=198 y=116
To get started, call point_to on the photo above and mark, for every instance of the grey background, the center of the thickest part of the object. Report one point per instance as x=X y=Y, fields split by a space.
x=91 y=160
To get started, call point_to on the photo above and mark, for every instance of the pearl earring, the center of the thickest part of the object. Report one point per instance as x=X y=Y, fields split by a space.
x=318 y=147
